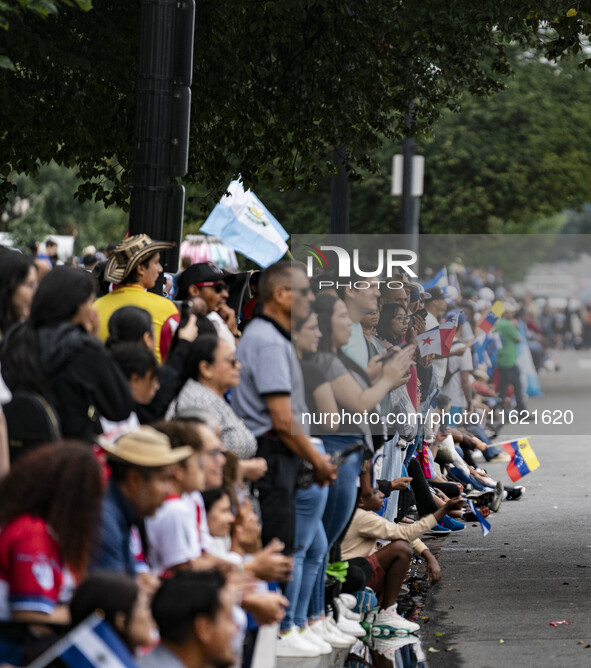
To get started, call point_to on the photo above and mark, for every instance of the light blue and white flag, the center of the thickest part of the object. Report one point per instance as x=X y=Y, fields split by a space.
x=244 y=224
x=439 y=280
x=484 y=525
x=91 y=644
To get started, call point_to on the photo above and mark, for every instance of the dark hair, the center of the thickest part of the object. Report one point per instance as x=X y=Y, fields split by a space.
x=255 y=278
x=133 y=277
x=202 y=350
x=129 y=323
x=180 y=433
x=133 y=358
x=110 y=593
x=383 y=328
x=14 y=269
x=98 y=272
x=182 y=598
x=274 y=275
x=60 y=294
x=62 y=484
x=323 y=306
x=212 y=496
x=298 y=324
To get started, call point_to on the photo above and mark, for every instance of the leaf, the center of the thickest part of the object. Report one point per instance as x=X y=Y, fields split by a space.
x=571 y=12
x=6 y=63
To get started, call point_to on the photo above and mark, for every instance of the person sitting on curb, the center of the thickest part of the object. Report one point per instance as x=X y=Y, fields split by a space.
x=390 y=563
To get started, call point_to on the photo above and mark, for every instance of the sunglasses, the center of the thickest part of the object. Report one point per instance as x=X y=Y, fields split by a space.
x=218 y=286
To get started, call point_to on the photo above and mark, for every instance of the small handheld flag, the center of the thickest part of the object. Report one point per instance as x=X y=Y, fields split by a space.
x=492 y=317
x=438 y=340
x=92 y=643
x=484 y=525
x=244 y=224
x=523 y=458
x=439 y=280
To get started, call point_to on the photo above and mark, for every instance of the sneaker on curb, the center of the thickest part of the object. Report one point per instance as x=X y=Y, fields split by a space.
x=438 y=530
x=292 y=645
x=323 y=646
x=497 y=497
x=387 y=646
x=334 y=639
x=350 y=628
x=345 y=612
x=453 y=525
x=515 y=493
x=349 y=600
x=332 y=627
x=390 y=618
x=501 y=457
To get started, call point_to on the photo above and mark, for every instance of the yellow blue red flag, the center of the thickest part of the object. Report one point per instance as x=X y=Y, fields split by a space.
x=523 y=458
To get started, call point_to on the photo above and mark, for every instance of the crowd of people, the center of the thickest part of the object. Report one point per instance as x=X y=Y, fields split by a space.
x=179 y=465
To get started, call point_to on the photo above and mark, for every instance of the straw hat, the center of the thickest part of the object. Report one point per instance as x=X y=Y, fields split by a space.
x=129 y=253
x=146 y=447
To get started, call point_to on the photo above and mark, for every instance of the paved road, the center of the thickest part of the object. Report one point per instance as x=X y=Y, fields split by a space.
x=499 y=593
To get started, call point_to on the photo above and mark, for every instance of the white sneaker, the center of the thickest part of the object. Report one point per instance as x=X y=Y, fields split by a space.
x=349 y=600
x=387 y=647
x=350 y=627
x=321 y=630
x=331 y=625
x=389 y=617
x=292 y=645
x=344 y=611
x=309 y=636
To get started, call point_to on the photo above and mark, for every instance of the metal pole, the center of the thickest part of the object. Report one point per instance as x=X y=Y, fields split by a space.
x=408 y=151
x=162 y=120
x=340 y=195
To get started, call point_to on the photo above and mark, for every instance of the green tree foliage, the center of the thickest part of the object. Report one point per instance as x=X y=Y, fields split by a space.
x=505 y=164
x=45 y=205
x=276 y=84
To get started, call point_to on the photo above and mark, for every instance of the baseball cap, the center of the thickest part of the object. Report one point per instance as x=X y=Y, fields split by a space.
x=198 y=274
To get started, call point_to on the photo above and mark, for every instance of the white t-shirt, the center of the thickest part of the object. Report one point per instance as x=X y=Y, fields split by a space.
x=356 y=347
x=173 y=533
x=453 y=387
x=440 y=365
x=221 y=328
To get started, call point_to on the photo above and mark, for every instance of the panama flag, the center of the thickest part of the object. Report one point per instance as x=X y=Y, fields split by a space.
x=492 y=317
x=439 y=280
x=92 y=643
x=244 y=224
x=523 y=458
x=438 y=341
x=484 y=525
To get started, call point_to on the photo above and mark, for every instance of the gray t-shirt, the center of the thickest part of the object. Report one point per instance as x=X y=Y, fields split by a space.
x=269 y=366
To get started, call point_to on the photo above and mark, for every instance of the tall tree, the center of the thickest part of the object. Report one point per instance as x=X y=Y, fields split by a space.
x=276 y=84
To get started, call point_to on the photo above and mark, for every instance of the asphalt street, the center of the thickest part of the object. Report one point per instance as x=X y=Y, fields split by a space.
x=499 y=593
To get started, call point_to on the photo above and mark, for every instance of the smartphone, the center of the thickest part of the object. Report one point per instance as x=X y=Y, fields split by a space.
x=423 y=313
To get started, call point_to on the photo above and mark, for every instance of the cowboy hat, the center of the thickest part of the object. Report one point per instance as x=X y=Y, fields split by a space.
x=146 y=447
x=129 y=253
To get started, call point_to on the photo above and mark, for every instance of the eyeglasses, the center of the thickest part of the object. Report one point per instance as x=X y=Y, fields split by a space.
x=400 y=318
x=218 y=286
x=232 y=361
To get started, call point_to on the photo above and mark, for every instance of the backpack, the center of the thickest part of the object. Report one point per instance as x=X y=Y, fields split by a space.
x=30 y=421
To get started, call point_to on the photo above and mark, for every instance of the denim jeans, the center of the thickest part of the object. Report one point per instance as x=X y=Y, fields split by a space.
x=340 y=506
x=460 y=476
x=309 y=554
